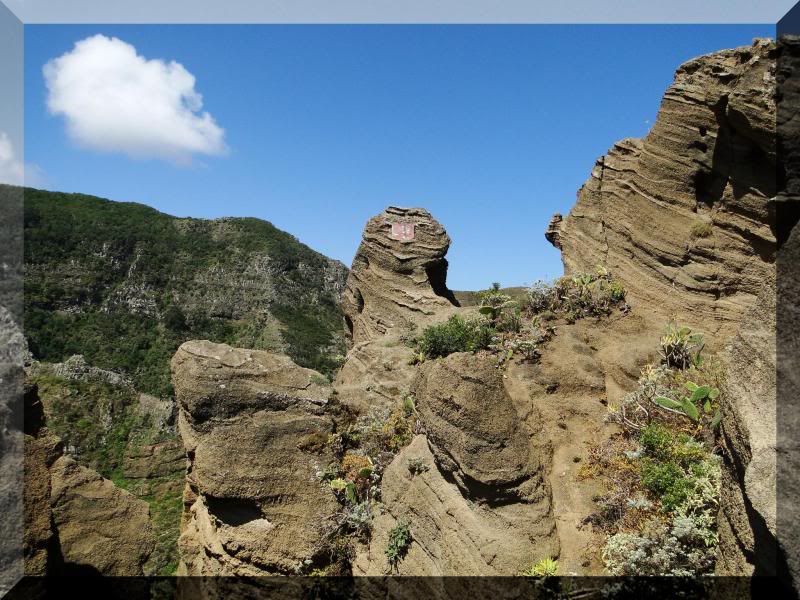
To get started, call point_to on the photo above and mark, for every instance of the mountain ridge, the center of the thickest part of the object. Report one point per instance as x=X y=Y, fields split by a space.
x=99 y=271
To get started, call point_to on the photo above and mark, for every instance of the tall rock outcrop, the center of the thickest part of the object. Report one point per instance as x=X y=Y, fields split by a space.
x=397 y=285
x=684 y=217
x=399 y=273
x=747 y=520
x=254 y=503
x=758 y=520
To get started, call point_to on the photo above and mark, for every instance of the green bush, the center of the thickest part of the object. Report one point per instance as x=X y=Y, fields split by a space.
x=577 y=295
x=681 y=347
x=399 y=542
x=493 y=304
x=455 y=335
x=657 y=441
x=661 y=478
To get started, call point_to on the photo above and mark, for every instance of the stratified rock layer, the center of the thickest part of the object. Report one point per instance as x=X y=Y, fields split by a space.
x=758 y=519
x=399 y=273
x=253 y=502
x=684 y=216
x=480 y=504
x=747 y=519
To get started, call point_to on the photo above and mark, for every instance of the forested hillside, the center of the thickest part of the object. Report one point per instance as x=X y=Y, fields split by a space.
x=124 y=285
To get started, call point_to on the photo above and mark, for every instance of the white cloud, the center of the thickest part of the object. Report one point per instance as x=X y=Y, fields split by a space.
x=115 y=100
x=12 y=170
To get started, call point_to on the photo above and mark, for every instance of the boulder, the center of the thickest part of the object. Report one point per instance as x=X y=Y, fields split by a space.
x=684 y=217
x=254 y=501
x=473 y=489
x=102 y=529
x=475 y=431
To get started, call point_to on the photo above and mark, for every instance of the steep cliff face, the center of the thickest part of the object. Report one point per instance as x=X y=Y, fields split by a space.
x=684 y=217
x=254 y=503
x=748 y=499
x=758 y=514
x=12 y=351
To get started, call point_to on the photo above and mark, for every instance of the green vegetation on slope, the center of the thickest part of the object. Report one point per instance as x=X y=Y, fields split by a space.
x=125 y=285
x=104 y=429
x=662 y=472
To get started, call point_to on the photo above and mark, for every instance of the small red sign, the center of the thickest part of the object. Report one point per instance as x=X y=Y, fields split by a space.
x=403 y=231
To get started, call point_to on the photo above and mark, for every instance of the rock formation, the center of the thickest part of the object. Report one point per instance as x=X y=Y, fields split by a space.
x=101 y=528
x=42 y=449
x=396 y=286
x=748 y=502
x=12 y=350
x=758 y=515
x=254 y=503
x=76 y=522
x=684 y=217
x=482 y=504
x=475 y=431
x=489 y=483
x=399 y=273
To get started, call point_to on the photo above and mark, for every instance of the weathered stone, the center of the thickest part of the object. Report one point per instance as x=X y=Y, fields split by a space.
x=254 y=501
x=42 y=449
x=12 y=351
x=481 y=504
x=553 y=232
x=475 y=431
x=758 y=518
x=102 y=529
x=453 y=534
x=683 y=217
x=398 y=277
x=748 y=501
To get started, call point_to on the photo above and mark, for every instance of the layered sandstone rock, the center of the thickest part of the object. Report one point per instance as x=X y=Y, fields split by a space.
x=396 y=286
x=254 y=503
x=684 y=216
x=758 y=514
x=747 y=519
x=399 y=273
x=480 y=504
x=102 y=529
x=76 y=522
x=475 y=431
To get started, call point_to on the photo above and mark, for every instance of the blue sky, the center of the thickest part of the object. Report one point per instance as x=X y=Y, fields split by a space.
x=491 y=128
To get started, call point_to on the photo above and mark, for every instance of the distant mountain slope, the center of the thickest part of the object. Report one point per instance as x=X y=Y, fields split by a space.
x=125 y=285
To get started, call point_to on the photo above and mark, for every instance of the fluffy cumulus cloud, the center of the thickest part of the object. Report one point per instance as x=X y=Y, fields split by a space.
x=115 y=100
x=11 y=168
